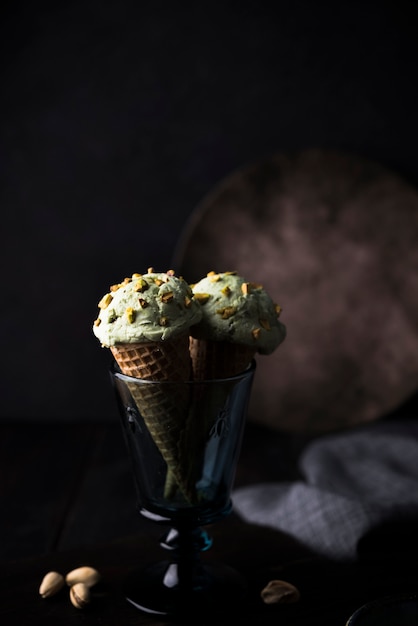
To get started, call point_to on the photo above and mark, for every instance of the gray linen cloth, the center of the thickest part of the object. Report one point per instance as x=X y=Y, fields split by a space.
x=351 y=483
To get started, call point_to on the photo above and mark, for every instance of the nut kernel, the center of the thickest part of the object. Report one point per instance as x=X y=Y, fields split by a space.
x=130 y=314
x=105 y=301
x=256 y=333
x=226 y=312
x=202 y=298
x=265 y=324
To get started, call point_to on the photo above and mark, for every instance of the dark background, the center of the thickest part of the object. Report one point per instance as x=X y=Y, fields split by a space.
x=118 y=117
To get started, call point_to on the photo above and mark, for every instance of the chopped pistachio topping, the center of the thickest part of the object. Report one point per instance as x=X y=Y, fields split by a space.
x=142 y=303
x=278 y=309
x=164 y=321
x=125 y=281
x=265 y=324
x=105 y=301
x=141 y=285
x=226 y=291
x=167 y=296
x=97 y=322
x=202 y=297
x=130 y=314
x=256 y=333
x=226 y=312
x=150 y=270
x=187 y=302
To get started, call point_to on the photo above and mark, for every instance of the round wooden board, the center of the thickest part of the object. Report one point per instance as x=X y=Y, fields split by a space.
x=333 y=238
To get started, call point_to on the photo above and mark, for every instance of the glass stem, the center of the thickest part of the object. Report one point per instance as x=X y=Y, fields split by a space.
x=186 y=543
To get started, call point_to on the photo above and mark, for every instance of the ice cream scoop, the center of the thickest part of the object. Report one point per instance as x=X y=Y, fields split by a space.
x=155 y=306
x=237 y=311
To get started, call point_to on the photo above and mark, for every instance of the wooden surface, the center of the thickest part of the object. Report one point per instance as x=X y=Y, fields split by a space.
x=67 y=499
x=64 y=487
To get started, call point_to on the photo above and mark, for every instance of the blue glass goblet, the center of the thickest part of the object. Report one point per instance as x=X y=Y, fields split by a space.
x=184 y=440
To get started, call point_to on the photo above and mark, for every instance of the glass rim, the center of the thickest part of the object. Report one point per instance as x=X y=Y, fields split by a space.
x=380 y=605
x=117 y=373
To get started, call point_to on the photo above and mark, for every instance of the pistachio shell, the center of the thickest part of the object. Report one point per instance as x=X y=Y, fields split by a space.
x=79 y=595
x=51 y=584
x=87 y=575
x=279 y=592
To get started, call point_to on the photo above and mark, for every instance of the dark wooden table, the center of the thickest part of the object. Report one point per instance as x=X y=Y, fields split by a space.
x=67 y=499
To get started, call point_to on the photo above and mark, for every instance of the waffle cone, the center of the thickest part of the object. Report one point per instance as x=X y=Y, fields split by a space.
x=163 y=409
x=218 y=359
x=210 y=360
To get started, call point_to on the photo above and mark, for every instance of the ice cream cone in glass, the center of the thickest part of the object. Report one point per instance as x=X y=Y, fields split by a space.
x=191 y=491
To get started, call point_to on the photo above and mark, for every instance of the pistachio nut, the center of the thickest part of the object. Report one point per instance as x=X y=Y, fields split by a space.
x=279 y=592
x=51 y=584
x=87 y=575
x=79 y=595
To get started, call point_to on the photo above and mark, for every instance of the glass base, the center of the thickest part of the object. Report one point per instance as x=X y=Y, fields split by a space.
x=160 y=589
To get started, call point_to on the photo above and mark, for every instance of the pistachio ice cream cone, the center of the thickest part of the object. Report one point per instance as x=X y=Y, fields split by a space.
x=145 y=322
x=239 y=319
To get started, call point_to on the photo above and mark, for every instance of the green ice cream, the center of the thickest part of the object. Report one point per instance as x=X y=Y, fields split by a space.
x=237 y=311
x=146 y=307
